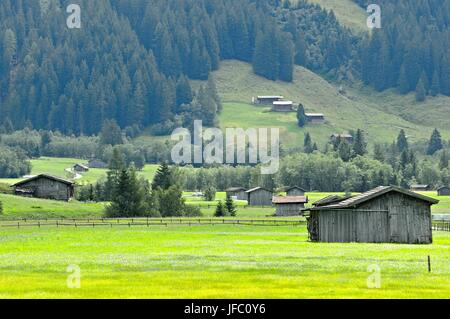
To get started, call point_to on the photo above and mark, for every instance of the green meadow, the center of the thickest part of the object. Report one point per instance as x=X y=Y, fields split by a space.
x=214 y=262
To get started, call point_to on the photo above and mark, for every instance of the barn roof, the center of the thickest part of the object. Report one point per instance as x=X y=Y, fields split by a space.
x=364 y=197
x=270 y=97
x=332 y=199
x=289 y=200
x=443 y=187
x=289 y=188
x=236 y=189
x=314 y=114
x=81 y=165
x=419 y=186
x=47 y=176
x=283 y=103
x=257 y=189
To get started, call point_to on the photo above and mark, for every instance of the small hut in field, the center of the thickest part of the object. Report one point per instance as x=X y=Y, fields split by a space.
x=267 y=99
x=259 y=196
x=238 y=192
x=283 y=106
x=289 y=205
x=46 y=186
x=420 y=188
x=444 y=191
x=383 y=215
x=80 y=168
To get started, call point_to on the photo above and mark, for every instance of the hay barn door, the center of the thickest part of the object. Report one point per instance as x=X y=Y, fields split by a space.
x=394 y=227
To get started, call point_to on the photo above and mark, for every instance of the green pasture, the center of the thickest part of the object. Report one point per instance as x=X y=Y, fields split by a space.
x=214 y=262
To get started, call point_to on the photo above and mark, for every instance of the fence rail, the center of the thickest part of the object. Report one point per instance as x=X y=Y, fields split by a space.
x=441 y=225
x=148 y=222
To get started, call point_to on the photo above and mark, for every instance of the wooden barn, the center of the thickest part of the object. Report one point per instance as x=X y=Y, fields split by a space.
x=80 y=168
x=315 y=118
x=238 y=192
x=95 y=163
x=283 y=106
x=420 y=188
x=267 y=99
x=259 y=197
x=383 y=215
x=46 y=186
x=292 y=191
x=341 y=137
x=289 y=205
x=444 y=191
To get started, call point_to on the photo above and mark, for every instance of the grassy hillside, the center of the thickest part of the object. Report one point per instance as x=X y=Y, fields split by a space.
x=347 y=12
x=381 y=115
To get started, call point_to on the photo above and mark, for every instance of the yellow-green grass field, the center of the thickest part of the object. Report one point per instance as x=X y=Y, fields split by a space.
x=214 y=262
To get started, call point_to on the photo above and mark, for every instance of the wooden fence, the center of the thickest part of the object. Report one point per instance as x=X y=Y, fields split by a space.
x=145 y=222
x=441 y=225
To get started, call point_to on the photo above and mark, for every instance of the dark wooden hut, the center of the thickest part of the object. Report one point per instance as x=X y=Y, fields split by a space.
x=383 y=215
x=95 y=163
x=283 y=106
x=289 y=205
x=315 y=118
x=444 y=191
x=46 y=186
x=259 y=197
x=420 y=188
x=267 y=99
x=238 y=192
x=80 y=168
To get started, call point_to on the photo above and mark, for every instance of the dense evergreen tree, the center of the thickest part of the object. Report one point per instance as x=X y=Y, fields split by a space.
x=435 y=143
x=301 y=116
x=359 y=145
x=163 y=178
x=402 y=141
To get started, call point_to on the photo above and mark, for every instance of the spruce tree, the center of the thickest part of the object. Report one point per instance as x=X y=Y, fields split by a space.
x=220 y=210
x=444 y=160
x=421 y=89
x=402 y=141
x=307 y=144
x=163 y=178
x=360 y=145
x=301 y=116
x=230 y=207
x=345 y=151
x=435 y=143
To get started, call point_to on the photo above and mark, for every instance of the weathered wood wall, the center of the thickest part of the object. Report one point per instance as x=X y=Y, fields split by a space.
x=260 y=197
x=295 y=192
x=289 y=209
x=50 y=189
x=393 y=217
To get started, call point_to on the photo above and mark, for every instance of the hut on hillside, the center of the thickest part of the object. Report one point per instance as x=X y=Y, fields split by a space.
x=238 y=192
x=259 y=197
x=95 y=163
x=289 y=205
x=46 y=186
x=383 y=215
x=315 y=118
x=444 y=191
x=283 y=106
x=267 y=99
x=341 y=137
x=420 y=188
x=80 y=168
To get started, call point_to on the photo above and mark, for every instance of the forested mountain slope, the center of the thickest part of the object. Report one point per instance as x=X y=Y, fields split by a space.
x=131 y=59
